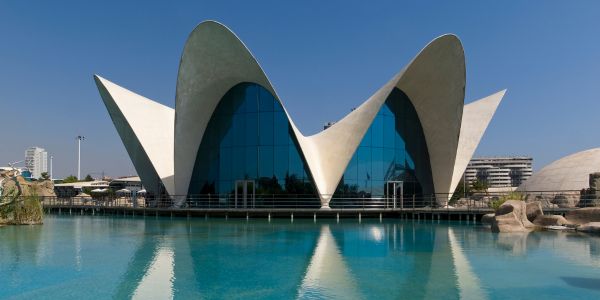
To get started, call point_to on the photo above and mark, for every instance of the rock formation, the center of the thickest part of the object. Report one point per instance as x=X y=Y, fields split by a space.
x=591 y=197
x=534 y=209
x=511 y=216
x=20 y=199
x=551 y=220
x=487 y=219
x=591 y=227
x=584 y=215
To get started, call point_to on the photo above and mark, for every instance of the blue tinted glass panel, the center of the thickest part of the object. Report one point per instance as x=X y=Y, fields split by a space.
x=251 y=135
x=265 y=162
x=251 y=162
x=266 y=128
x=280 y=161
x=377 y=131
x=265 y=100
x=249 y=138
x=393 y=149
x=251 y=99
x=281 y=129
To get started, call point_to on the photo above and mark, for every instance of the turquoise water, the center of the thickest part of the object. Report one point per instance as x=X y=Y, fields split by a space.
x=83 y=257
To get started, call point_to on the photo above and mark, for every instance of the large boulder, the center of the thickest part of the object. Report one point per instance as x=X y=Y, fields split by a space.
x=584 y=215
x=591 y=227
x=534 y=209
x=487 y=219
x=551 y=220
x=566 y=200
x=511 y=216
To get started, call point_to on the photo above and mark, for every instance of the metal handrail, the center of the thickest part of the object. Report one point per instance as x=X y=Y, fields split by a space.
x=474 y=202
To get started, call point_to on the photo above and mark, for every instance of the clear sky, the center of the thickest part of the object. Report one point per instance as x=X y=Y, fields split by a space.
x=323 y=57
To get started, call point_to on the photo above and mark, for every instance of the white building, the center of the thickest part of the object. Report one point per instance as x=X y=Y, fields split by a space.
x=36 y=161
x=499 y=172
x=230 y=132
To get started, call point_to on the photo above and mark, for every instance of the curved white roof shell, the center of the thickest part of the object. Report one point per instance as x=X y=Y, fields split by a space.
x=214 y=60
x=146 y=129
x=570 y=173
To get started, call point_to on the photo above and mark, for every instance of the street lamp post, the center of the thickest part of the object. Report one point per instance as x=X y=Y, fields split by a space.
x=79 y=139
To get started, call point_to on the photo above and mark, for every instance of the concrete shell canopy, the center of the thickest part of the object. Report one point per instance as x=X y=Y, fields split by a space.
x=570 y=173
x=214 y=60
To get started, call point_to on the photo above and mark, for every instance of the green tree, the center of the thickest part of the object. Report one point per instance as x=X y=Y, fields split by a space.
x=88 y=177
x=70 y=179
x=44 y=176
x=479 y=185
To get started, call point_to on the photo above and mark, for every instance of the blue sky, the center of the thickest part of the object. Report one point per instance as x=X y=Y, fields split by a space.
x=323 y=57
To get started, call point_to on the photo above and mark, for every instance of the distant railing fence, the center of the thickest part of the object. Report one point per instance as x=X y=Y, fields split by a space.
x=475 y=201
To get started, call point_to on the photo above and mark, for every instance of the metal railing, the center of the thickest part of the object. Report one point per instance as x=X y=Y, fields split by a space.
x=556 y=200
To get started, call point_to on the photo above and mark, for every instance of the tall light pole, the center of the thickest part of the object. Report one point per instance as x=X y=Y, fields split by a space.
x=79 y=139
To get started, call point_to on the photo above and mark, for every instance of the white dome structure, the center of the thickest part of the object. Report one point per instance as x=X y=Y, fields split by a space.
x=570 y=173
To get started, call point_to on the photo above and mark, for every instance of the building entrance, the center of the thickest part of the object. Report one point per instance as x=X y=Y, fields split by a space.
x=394 y=194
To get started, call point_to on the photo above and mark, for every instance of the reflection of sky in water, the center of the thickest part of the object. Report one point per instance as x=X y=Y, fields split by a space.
x=97 y=257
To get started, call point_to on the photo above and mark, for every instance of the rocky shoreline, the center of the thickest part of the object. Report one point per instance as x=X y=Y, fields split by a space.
x=520 y=216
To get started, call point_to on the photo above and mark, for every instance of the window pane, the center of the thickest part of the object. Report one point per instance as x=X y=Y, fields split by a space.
x=239 y=130
x=351 y=170
x=281 y=129
x=296 y=167
x=377 y=158
x=366 y=141
x=251 y=129
x=377 y=132
x=364 y=163
x=225 y=164
x=251 y=98
x=265 y=100
x=251 y=164
x=266 y=128
x=237 y=163
x=388 y=132
x=265 y=161
x=281 y=162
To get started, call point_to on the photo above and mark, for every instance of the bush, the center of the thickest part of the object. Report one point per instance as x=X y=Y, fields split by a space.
x=495 y=204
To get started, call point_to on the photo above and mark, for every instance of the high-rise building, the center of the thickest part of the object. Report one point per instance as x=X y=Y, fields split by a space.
x=499 y=172
x=36 y=161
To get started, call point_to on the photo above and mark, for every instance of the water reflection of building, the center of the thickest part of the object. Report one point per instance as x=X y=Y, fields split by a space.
x=394 y=255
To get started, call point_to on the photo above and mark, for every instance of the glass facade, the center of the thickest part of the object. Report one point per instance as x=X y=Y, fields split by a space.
x=249 y=138
x=393 y=149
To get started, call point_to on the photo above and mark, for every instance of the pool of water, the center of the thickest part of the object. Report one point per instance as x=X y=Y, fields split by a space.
x=82 y=257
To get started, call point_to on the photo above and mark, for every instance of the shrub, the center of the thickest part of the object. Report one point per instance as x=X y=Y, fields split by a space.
x=495 y=204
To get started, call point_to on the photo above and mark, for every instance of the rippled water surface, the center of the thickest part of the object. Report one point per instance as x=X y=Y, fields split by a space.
x=87 y=257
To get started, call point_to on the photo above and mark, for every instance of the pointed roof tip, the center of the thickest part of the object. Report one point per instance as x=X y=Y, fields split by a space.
x=447 y=36
x=447 y=41
x=209 y=23
x=100 y=81
x=500 y=94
